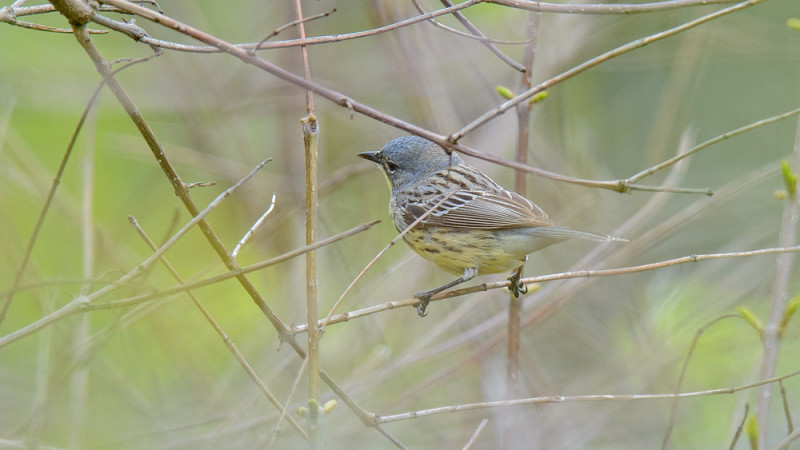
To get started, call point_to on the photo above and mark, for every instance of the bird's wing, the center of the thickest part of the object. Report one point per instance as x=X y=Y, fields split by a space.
x=489 y=208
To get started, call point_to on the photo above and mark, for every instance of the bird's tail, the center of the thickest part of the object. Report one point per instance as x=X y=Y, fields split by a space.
x=564 y=232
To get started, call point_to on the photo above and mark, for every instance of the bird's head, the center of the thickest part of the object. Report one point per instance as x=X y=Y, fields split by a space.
x=408 y=159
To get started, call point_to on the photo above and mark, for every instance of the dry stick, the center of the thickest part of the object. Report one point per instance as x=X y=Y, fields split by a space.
x=708 y=143
x=740 y=427
x=787 y=411
x=674 y=408
x=639 y=43
x=84 y=302
x=51 y=194
x=579 y=398
x=475 y=435
x=783 y=274
x=621 y=8
x=545 y=278
x=225 y=338
x=310 y=128
x=277 y=31
x=475 y=31
x=481 y=38
x=255 y=227
x=347 y=102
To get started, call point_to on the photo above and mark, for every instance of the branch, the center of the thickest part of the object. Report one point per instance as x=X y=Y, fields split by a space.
x=578 y=398
x=345 y=317
x=347 y=102
x=620 y=8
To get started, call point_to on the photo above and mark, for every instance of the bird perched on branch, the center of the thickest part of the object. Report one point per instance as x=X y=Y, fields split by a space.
x=464 y=222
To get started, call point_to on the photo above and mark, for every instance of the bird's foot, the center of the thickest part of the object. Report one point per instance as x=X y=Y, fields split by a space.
x=516 y=288
x=424 y=298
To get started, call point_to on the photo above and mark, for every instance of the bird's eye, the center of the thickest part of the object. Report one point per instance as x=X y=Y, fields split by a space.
x=391 y=166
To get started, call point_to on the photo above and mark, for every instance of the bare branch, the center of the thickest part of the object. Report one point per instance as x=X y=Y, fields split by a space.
x=617 y=8
x=255 y=226
x=545 y=278
x=580 y=398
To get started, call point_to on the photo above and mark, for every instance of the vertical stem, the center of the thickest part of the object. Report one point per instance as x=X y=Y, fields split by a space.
x=780 y=289
x=512 y=427
x=301 y=29
x=310 y=130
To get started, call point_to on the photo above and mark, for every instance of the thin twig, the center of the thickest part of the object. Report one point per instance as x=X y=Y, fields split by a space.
x=255 y=227
x=475 y=31
x=481 y=38
x=277 y=31
x=787 y=410
x=578 y=398
x=708 y=143
x=615 y=8
x=475 y=435
x=740 y=427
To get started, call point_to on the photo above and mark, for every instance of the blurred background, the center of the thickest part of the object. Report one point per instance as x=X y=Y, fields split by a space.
x=156 y=375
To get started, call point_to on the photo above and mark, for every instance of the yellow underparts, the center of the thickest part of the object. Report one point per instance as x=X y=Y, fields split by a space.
x=455 y=249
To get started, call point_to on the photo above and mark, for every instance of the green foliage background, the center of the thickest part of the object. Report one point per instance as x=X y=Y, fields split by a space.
x=158 y=375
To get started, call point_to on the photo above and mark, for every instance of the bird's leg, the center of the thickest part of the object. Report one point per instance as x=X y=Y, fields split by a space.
x=425 y=296
x=515 y=287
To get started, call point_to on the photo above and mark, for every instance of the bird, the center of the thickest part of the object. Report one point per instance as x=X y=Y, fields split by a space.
x=463 y=221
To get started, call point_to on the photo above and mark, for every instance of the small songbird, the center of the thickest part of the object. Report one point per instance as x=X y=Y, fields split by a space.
x=475 y=226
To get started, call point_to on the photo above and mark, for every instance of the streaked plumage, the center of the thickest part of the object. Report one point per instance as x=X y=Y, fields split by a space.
x=481 y=228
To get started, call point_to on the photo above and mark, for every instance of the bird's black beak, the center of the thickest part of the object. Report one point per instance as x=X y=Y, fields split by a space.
x=372 y=156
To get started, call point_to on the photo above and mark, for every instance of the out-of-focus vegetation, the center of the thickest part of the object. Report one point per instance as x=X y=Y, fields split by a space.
x=157 y=375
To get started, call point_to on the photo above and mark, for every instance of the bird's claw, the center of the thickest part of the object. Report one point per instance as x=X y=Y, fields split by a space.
x=516 y=288
x=422 y=306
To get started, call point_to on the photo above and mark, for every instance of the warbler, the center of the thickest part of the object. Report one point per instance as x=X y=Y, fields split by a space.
x=471 y=225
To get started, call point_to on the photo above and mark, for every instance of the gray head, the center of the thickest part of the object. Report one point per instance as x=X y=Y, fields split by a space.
x=407 y=159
